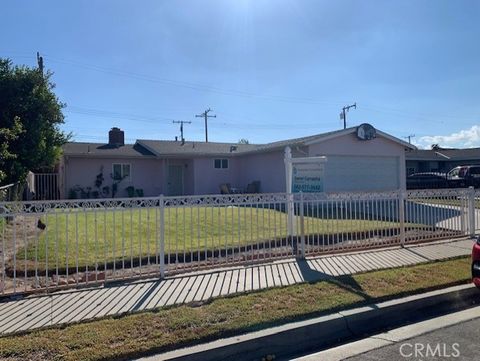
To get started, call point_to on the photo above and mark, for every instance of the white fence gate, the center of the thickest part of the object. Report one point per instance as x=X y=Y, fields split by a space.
x=54 y=244
x=46 y=186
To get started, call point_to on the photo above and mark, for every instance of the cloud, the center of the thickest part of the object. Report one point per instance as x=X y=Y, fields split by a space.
x=467 y=138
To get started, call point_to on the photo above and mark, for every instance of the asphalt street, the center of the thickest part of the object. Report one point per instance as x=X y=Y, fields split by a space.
x=457 y=342
x=454 y=336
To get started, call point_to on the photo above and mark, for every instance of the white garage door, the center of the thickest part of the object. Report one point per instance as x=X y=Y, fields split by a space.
x=350 y=173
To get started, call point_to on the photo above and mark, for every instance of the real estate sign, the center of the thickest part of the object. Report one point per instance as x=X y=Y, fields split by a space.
x=308 y=177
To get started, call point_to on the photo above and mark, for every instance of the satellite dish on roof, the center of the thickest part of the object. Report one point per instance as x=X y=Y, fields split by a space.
x=366 y=131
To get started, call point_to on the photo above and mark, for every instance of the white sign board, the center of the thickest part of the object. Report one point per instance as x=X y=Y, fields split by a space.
x=304 y=175
x=308 y=177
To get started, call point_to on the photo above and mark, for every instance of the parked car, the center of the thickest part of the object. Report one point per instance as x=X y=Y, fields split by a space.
x=476 y=263
x=464 y=176
x=427 y=180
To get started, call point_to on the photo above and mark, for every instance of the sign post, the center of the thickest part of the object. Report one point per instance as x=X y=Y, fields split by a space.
x=305 y=175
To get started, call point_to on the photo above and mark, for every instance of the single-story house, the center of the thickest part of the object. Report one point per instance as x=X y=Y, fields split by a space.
x=439 y=159
x=154 y=167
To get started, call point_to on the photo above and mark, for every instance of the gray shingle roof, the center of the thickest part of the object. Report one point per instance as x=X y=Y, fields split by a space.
x=166 y=147
x=146 y=147
x=301 y=140
x=163 y=147
x=444 y=154
x=98 y=149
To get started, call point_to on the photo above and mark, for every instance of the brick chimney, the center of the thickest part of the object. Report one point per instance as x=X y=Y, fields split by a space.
x=116 y=137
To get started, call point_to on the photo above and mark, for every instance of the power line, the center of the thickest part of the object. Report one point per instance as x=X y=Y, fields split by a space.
x=231 y=123
x=203 y=87
x=380 y=108
x=115 y=115
x=193 y=86
x=420 y=116
x=206 y=116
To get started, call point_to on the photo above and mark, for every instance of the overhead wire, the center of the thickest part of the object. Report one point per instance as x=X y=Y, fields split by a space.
x=230 y=92
x=189 y=85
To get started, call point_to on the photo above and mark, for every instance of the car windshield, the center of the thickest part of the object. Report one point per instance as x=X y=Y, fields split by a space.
x=454 y=172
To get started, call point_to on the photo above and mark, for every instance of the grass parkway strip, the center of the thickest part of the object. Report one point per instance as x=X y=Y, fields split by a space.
x=169 y=328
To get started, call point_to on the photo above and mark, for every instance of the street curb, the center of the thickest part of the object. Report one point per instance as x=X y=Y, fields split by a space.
x=300 y=337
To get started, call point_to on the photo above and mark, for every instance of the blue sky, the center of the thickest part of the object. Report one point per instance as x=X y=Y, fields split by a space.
x=269 y=69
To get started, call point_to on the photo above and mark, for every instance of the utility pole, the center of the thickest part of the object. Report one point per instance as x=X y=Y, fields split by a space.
x=343 y=114
x=206 y=116
x=181 y=122
x=409 y=137
x=40 y=63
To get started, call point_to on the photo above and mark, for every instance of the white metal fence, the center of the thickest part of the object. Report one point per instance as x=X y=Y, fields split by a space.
x=52 y=244
x=11 y=192
x=476 y=202
x=46 y=186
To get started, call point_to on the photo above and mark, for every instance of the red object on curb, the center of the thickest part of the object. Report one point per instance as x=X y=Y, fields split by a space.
x=476 y=263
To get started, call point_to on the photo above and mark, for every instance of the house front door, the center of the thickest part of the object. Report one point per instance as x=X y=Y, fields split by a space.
x=175 y=180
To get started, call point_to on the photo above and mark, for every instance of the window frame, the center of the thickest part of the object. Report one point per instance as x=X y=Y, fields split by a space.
x=221 y=160
x=128 y=178
x=475 y=171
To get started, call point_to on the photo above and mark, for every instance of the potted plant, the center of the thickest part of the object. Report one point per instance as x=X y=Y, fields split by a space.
x=130 y=191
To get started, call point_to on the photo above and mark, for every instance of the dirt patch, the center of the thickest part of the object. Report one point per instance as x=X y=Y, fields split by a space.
x=18 y=232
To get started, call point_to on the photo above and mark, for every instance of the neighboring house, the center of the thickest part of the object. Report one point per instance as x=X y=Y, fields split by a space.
x=191 y=167
x=440 y=160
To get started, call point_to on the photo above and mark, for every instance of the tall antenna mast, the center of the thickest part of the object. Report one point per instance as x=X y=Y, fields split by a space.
x=206 y=116
x=181 y=122
x=343 y=114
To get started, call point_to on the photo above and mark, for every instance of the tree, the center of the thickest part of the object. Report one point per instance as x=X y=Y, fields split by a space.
x=243 y=141
x=30 y=117
x=7 y=135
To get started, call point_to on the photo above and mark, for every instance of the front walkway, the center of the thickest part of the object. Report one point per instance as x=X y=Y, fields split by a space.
x=78 y=305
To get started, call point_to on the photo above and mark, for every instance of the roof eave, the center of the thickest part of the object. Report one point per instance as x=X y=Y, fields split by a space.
x=321 y=138
x=150 y=149
x=353 y=130
x=395 y=139
x=94 y=155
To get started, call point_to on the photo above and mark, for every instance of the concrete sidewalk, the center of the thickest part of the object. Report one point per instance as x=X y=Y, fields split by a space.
x=78 y=305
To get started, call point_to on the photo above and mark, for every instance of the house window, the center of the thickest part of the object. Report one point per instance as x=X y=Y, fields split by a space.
x=120 y=171
x=221 y=163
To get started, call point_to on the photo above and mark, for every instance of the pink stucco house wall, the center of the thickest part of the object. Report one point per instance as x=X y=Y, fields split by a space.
x=188 y=167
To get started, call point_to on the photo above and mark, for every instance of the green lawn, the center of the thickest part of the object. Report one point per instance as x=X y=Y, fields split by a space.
x=131 y=336
x=109 y=236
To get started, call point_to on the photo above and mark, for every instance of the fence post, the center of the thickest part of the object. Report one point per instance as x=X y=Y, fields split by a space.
x=290 y=205
x=162 y=235
x=401 y=216
x=302 y=227
x=471 y=211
